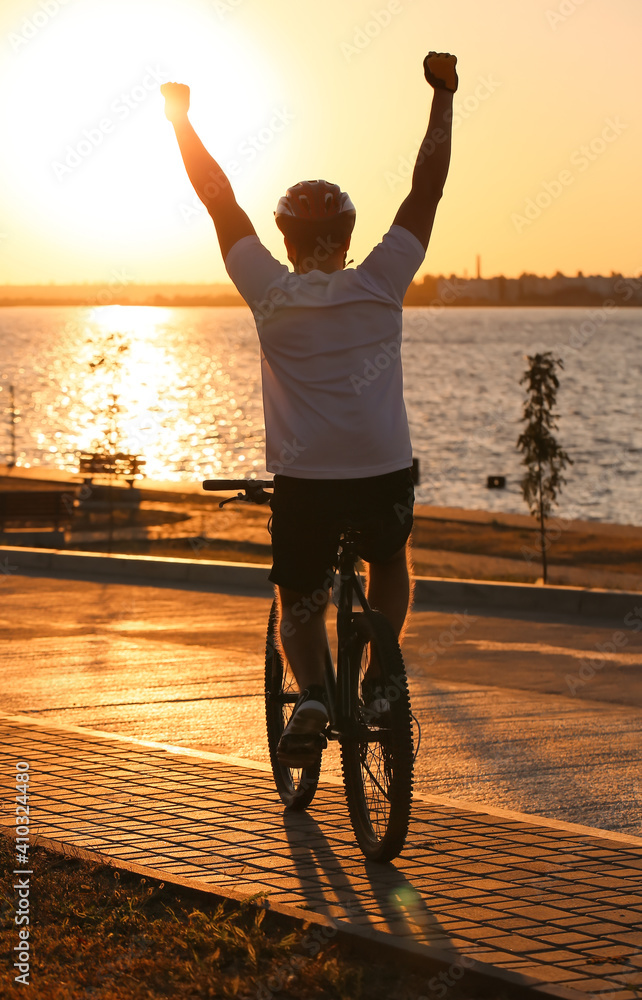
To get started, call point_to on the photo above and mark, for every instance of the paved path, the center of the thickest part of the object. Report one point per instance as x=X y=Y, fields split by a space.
x=507 y=718
x=563 y=906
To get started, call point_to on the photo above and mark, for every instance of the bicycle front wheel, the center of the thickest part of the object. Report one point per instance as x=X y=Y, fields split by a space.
x=377 y=748
x=296 y=786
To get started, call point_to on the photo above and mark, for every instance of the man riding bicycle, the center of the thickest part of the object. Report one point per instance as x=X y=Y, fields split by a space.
x=337 y=438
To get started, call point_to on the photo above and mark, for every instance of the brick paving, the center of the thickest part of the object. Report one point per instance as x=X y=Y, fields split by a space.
x=563 y=906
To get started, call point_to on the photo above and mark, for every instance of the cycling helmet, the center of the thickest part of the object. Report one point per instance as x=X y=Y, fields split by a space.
x=315 y=202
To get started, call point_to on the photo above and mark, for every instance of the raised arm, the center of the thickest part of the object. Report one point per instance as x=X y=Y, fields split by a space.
x=417 y=212
x=208 y=179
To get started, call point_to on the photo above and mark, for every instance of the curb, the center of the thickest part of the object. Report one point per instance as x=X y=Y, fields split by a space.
x=145 y=568
x=364 y=942
x=433 y=591
x=613 y=604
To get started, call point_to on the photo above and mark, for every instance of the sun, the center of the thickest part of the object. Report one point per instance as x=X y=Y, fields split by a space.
x=95 y=161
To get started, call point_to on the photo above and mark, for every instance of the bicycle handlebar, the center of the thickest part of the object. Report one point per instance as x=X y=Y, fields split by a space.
x=253 y=490
x=236 y=484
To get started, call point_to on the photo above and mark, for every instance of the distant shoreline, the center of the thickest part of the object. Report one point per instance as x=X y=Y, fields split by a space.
x=222 y=301
x=527 y=291
x=226 y=302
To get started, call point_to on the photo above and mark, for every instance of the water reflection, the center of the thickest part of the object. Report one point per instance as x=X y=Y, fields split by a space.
x=134 y=379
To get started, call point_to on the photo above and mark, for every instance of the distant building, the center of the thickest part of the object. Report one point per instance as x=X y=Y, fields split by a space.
x=529 y=289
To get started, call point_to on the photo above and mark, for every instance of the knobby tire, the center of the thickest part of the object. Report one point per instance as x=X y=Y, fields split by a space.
x=296 y=786
x=377 y=752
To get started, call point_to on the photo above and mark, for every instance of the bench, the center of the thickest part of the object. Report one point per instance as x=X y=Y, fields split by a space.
x=127 y=467
x=35 y=507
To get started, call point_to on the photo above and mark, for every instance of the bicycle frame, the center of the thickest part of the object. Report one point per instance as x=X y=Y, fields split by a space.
x=338 y=686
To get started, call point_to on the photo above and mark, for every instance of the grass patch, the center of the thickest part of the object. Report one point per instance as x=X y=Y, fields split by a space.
x=103 y=934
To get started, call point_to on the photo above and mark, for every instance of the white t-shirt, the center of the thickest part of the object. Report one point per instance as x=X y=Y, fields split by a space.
x=330 y=359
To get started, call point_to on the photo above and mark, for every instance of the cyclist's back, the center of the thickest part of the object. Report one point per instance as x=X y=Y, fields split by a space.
x=331 y=366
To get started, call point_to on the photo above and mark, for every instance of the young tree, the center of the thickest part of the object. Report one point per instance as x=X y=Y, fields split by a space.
x=542 y=455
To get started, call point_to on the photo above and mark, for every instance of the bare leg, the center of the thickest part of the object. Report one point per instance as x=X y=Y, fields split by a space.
x=303 y=635
x=303 y=632
x=389 y=589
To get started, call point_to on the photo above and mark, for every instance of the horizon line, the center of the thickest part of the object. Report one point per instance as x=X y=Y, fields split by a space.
x=229 y=284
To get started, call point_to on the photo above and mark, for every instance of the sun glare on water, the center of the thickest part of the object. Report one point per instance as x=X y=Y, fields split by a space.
x=123 y=375
x=136 y=385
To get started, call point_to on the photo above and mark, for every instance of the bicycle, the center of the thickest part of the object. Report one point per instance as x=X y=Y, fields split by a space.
x=368 y=705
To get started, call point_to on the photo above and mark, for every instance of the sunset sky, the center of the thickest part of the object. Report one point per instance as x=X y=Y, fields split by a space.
x=546 y=153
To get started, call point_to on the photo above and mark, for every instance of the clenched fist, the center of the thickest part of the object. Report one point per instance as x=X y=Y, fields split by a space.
x=176 y=100
x=440 y=71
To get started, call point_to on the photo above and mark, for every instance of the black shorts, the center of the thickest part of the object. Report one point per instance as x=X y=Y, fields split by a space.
x=310 y=514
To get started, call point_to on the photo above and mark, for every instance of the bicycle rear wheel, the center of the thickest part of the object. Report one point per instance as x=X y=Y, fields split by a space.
x=377 y=749
x=296 y=786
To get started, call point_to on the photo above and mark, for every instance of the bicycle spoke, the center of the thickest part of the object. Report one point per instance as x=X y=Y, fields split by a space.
x=378 y=785
x=383 y=791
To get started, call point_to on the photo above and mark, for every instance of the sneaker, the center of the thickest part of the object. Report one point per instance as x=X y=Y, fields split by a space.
x=302 y=740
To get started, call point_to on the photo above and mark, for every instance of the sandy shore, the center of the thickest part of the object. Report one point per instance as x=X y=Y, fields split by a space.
x=480 y=545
